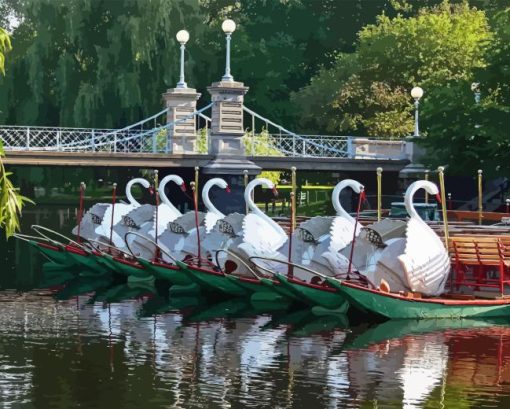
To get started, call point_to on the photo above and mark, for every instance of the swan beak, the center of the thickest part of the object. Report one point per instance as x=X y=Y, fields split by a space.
x=151 y=190
x=227 y=189
x=275 y=192
x=183 y=187
x=438 y=198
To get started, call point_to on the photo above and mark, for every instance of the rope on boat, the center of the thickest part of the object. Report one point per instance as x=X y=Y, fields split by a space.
x=40 y=229
x=150 y=241
x=250 y=270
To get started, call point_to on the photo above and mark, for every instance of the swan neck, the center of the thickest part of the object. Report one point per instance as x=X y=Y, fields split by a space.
x=207 y=201
x=129 y=194
x=408 y=201
x=340 y=211
x=162 y=194
x=253 y=207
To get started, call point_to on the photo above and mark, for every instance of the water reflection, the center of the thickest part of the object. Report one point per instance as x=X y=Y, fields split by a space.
x=105 y=342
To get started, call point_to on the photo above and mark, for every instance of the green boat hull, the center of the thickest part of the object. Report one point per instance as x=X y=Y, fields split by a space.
x=395 y=307
x=259 y=291
x=314 y=295
x=214 y=281
x=88 y=260
x=54 y=254
x=125 y=269
x=175 y=276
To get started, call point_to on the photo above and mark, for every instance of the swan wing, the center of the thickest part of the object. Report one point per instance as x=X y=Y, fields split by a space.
x=210 y=220
x=191 y=242
x=261 y=235
x=425 y=259
x=341 y=234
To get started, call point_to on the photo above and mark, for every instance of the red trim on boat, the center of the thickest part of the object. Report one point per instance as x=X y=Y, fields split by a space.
x=76 y=250
x=444 y=301
x=204 y=270
x=316 y=286
x=248 y=279
x=164 y=265
x=49 y=246
x=128 y=262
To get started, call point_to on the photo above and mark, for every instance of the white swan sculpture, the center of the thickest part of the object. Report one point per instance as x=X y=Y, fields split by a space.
x=418 y=262
x=212 y=216
x=262 y=236
x=179 y=238
x=328 y=258
x=142 y=220
x=96 y=222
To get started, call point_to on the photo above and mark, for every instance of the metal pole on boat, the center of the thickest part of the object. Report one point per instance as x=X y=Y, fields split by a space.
x=360 y=201
x=156 y=193
x=449 y=201
x=290 y=270
x=426 y=193
x=480 y=196
x=293 y=198
x=195 y=205
x=379 y=194
x=246 y=178
x=80 y=211
x=440 y=170
x=114 y=197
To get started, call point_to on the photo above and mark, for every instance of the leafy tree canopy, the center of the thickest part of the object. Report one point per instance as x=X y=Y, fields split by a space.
x=369 y=89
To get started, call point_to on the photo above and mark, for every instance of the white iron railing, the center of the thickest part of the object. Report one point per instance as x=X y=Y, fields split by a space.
x=154 y=135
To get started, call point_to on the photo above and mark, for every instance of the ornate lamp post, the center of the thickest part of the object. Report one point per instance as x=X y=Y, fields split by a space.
x=416 y=93
x=182 y=37
x=228 y=27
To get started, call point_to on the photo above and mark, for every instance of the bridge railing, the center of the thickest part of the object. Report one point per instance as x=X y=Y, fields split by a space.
x=155 y=134
x=274 y=140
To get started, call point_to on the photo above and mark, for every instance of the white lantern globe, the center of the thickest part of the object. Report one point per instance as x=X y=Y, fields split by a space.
x=182 y=36
x=228 y=26
x=417 y=93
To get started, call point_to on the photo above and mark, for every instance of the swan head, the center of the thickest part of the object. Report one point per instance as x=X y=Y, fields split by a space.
x=353 y=184
x=218 y=182
x=144 y=182
x=430 y=188
x=172 y=178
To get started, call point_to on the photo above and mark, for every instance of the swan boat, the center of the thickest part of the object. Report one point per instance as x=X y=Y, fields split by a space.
x=233 y=275
x=409 y=282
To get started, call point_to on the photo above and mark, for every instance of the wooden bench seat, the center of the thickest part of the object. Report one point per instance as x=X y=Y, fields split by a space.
x=480 y=255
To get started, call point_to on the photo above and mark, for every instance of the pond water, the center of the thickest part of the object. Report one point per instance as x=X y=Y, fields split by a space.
x=70 y=342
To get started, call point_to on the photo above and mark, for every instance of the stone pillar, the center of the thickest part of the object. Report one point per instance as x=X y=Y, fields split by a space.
x=181 y=102
x=414 y=170
x=225 y=143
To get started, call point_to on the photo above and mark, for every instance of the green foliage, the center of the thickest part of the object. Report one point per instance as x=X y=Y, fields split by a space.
x=11 y=202
x=469 y=136
x=202 y=141
x=369 y=89
x=5 y=46
x=262 y=146
x=105 y=63
x=92 y=63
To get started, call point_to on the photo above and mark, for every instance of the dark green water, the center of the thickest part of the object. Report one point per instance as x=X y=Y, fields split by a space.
x=66 y=347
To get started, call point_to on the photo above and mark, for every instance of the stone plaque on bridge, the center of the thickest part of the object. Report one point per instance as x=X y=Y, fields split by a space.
x=181 y=103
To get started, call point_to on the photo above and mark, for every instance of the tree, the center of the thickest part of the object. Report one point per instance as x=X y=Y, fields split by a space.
x=469 y=136
x=370 y=88
x=11 y=202
x=93 y=63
